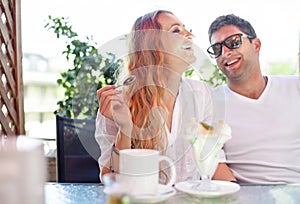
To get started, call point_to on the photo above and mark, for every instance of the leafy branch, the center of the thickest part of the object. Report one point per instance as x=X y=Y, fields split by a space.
x=89 y=72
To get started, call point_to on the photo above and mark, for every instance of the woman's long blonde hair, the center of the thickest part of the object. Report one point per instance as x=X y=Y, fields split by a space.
x=146 y=61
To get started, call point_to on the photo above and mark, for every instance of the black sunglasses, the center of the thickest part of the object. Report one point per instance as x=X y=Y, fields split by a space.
x=231 y=42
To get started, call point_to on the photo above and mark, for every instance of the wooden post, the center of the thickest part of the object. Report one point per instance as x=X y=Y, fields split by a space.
x=11 y=83
x=19 y=74
x=299 y=54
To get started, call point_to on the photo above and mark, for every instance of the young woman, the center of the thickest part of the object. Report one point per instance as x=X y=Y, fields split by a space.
x=154 y=111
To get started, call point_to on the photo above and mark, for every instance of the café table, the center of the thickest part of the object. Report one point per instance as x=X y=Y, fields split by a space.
x=91 y=193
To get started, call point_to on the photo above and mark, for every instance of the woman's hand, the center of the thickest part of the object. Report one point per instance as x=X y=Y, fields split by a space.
x=112 y=105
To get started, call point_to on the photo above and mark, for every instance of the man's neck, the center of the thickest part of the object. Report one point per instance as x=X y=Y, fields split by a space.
x=252 y=88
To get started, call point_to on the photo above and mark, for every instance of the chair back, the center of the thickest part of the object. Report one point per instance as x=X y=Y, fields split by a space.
x=77 y=150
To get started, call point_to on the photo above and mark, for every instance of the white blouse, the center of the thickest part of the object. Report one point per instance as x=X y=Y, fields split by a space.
x=193 y=100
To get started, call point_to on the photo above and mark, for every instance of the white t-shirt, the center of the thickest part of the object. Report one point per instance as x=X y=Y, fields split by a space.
x=193 y=100
x=265 y=144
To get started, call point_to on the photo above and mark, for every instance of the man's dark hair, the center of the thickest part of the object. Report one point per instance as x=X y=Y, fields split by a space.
x=231 y=19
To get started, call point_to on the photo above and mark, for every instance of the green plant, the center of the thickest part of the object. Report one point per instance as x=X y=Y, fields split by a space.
x=217 y=78
x=89 y=72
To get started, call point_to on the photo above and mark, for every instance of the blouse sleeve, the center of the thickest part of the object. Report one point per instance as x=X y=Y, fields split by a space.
x=105 y=134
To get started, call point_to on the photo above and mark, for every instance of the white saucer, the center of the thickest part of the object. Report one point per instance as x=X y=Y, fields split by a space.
x=224 y=188
x=164 y=192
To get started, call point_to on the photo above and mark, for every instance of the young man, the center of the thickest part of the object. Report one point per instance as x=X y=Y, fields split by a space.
x=263 y=111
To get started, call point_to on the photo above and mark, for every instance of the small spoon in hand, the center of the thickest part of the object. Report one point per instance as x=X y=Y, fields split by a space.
x=128 y=81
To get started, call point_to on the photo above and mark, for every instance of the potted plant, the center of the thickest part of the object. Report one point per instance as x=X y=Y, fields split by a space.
x=75 y=116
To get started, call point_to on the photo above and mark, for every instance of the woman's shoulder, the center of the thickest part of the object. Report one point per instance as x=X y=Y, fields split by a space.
x=195 y=82
x=197 y=85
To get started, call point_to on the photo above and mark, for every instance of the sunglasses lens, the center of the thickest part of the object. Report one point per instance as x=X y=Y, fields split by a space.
x=233 y=42
x=215 y=50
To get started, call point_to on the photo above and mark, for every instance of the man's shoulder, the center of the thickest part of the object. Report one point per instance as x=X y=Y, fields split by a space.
x=287 y=79
x=284 y=77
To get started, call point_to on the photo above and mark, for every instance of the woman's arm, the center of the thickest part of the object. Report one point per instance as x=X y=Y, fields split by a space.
x=113 y=125
x=110 y=139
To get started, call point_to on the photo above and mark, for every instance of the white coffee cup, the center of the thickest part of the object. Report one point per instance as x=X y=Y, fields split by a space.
x=139 y=171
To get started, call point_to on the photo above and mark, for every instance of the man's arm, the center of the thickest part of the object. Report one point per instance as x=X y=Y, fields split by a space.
x=224 y=173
